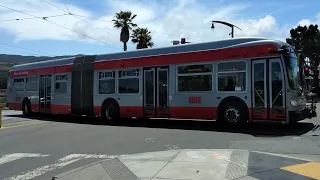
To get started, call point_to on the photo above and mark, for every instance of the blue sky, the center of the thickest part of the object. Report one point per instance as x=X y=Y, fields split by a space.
x=167 y=20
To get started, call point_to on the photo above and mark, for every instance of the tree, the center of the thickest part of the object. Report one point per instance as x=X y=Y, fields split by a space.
x=142 y=37
x=307 y=39
x=123 y=20
x=3 y=82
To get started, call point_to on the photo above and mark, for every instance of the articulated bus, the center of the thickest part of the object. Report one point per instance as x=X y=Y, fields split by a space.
x=232 y=81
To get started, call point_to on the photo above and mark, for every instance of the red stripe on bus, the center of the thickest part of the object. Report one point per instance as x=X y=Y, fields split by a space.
x=125 y=111
x=189 y=57
x=273 y=115
x=203 y=56
x=35 y=107
x=61 y=109
x=250 y=114
x=278 y=115
x=15 y=106
x=193 y=112
x=137 y=111
x=56 y=109
x=131 y=111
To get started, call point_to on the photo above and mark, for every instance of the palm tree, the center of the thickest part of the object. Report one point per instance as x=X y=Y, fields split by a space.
x=123 y=20
x=142 y=37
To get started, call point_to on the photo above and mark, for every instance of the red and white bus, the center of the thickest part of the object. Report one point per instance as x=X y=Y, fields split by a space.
x=235 y=80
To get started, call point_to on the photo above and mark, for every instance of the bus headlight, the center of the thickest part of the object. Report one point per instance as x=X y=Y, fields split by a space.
x=293 y=102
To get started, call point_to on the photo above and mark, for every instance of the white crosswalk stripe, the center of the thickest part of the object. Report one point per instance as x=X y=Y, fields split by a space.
x=15 y=156
x=60 y=163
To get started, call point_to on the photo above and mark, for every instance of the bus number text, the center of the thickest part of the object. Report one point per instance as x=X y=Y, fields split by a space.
x=195 y=100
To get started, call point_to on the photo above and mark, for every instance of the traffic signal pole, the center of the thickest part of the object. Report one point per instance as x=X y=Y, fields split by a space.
x=227 y=24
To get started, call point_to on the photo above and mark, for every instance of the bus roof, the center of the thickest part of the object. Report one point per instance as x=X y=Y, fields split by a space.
x=222 y=44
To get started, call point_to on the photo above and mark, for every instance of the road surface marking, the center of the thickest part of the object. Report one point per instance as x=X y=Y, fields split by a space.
x=59 y=164
x=195 y=155
x=174 y=147
x=23 y=124
x=149 y=139
x=12 y=157
x=310 y=169
x=224 y=158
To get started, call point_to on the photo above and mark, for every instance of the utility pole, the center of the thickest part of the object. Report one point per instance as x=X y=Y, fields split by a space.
x=227 y=24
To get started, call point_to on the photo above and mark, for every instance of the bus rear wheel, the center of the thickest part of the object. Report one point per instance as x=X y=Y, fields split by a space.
x=26 y=108
x=110 y=111
x=233 y=114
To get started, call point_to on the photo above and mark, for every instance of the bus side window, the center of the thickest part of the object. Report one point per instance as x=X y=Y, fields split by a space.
x=195 y=78
x=232 y=76
x=18 y=84
x=61 y=84
x=107 y=82
x=32 y=83
x=128 y=81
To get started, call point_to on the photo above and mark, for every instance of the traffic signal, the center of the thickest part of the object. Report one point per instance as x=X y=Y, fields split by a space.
x=306 y=71
x=183 y=40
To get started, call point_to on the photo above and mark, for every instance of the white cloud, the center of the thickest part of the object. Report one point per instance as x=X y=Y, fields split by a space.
x=307 y=22
x=167 y=21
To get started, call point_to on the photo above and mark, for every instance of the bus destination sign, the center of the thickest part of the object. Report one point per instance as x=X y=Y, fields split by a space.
x=20 y=73
x=195 y=70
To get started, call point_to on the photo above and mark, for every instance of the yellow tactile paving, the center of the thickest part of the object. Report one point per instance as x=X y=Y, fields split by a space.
x=310 y=169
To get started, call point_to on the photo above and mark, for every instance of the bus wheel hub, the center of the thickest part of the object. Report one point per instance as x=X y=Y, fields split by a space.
x=232 y=114
x=26 y=109
x=109 y=113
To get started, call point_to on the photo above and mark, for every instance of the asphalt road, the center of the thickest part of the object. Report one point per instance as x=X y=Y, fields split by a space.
x=43 y=146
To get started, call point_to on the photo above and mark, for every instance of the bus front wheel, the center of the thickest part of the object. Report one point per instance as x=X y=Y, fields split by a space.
x=110 y=111
x=233 y=113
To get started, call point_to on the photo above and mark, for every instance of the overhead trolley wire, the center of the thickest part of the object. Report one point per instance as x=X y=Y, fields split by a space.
x=65 y=6
x=159 y=32
x=82 y=34
x=26 y=52
x=76 y=16
x=1 y=43
x=44 y=18
x=54 y=6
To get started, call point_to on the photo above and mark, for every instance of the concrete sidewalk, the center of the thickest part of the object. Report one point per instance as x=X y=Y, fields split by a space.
x=197 y=164
x=11 y=118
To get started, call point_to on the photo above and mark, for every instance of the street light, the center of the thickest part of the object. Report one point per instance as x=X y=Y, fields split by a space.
x=227 y=24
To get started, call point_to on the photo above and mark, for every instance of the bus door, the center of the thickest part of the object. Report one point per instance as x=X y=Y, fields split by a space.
x=268 y=90
x=155 y=92
x=45 y=93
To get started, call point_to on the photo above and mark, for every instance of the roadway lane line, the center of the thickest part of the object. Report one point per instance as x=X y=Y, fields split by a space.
x=12 y=157
x=60 y=163
x=23 y=124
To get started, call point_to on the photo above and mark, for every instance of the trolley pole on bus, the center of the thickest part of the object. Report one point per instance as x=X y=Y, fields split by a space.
x=227 y=24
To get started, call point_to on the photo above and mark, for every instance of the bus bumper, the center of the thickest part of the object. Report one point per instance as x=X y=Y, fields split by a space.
x=296 y=116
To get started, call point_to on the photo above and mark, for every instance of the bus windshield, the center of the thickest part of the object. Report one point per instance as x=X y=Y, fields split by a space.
x=292 y=67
